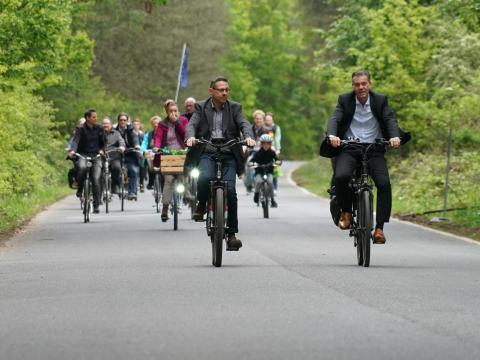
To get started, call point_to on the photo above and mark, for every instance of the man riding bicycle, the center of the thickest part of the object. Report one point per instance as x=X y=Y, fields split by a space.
x=217 y=117
x=131 y=159
x=113 y=141
x=88 y=141
x=364 y=115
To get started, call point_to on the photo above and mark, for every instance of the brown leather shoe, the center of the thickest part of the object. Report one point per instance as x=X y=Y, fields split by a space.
x=345 y=220
x=379 y=237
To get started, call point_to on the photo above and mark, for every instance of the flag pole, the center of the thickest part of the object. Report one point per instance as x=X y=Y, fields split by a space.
x=180 y=72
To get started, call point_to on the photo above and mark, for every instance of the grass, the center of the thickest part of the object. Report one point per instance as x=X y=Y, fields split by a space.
x=16 y=210
x=315 y=175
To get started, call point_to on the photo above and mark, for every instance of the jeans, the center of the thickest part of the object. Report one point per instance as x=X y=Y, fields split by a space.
x=207 y=173
x=95 y=175
x=346 y=163
x=133 y=170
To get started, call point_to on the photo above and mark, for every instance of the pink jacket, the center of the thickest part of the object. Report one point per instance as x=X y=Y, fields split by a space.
x=160 y=135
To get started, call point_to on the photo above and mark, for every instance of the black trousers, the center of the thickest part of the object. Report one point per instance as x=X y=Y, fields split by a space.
x=207 y=173
x=346 y=163
x=116 y=172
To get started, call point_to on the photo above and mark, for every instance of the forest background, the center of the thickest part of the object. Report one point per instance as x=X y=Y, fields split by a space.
x=291 y=57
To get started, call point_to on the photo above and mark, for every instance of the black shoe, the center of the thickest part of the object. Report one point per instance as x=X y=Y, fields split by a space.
x=149 y=187
x=132 y=196
x=79 y=194
x=164 y=213
x=233 y=244
x=274 y=204
x=255 y=197
x=96 y=210
x=200 y=211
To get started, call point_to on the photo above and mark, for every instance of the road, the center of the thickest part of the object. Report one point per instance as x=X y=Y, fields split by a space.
x=126 y=286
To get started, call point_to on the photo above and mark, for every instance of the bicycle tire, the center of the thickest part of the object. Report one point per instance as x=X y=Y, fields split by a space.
x=359 y=246
x=175 y=208
x=122 y=192
x=156 y=192
x=219 y=230
x=366 y=224
x=107 y=192
x=86 y=200
x=193 y=195
x=265 y=202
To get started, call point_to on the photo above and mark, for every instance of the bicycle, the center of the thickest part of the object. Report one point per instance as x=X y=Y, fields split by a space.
x=217 y=214
x=157 y=184
x=171 y=164
x=192 y=186
x=87 y=187
x=124 y=178
x=362 y=189
x=107 y=179
x=266 y=191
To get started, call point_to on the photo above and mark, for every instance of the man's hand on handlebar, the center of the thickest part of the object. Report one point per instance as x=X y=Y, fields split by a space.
x=334 y=141
x=394 y=142
x=191 y=142
x=250 y=142
x=71 y=154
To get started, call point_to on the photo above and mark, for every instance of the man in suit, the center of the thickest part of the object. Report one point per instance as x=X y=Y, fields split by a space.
x=218 y=117
x=365 y=115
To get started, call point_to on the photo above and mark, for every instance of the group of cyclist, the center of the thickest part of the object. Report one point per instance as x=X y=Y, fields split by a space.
x=361 y=114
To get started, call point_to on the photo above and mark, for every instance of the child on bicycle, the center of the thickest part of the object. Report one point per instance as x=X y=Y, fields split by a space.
x=265 y=156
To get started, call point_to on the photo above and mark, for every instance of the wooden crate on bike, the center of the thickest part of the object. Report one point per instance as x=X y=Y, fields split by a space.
x=172 y=164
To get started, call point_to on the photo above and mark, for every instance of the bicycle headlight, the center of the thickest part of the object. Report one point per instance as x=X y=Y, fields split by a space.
x=195 y=173
x=180 y=188
x=265 y=177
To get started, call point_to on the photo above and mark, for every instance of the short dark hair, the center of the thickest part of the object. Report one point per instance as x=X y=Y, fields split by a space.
x=217 y=79
x=269 y=114
x=362 y=72
x=89 y=113
x=122 y=114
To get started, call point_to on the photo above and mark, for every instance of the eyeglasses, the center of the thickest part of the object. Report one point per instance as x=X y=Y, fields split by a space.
x=224 y=90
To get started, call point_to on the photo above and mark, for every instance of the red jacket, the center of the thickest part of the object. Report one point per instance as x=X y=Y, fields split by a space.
x=160 y=135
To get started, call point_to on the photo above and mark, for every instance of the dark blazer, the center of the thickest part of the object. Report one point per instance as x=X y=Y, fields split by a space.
x=201 y=126
x=342 y=117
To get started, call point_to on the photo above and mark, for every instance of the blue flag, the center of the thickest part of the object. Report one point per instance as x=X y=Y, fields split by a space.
x=183 y=74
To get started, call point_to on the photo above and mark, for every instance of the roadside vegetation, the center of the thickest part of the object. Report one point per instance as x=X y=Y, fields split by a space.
x=291 y=57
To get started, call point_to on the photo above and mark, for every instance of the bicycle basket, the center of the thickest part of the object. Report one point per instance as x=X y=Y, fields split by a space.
x=172 y=164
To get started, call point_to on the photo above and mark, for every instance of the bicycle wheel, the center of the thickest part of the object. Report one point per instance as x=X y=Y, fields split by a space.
x=359 y=246
x=265 y=201
x=193 y=196
x=219 y=230
x=106 y=192
x=122 y=192
x=175 y=207
x=156 y=192
x=86 y=200
x=365 y=216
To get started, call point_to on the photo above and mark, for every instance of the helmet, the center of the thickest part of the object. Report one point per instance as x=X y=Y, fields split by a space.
x=265 y=138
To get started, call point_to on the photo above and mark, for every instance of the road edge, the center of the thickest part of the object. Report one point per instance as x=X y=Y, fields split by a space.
x=444 y=233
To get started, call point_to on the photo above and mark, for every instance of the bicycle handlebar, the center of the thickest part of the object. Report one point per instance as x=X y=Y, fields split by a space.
x=87 y=157
x=229 y=144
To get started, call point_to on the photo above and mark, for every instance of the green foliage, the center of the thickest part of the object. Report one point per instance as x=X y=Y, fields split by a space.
x=268 y=69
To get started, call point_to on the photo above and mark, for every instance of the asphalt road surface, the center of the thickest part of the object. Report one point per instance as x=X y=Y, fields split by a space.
x=126 y=286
